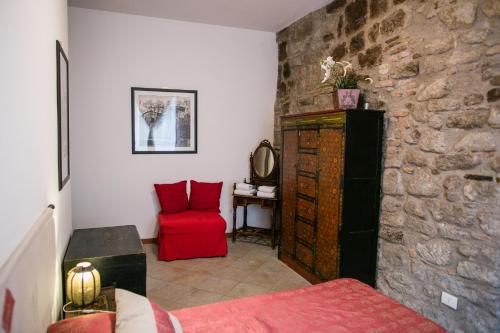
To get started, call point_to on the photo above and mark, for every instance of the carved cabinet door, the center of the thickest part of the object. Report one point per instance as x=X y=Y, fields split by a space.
x=329 y=202
x=289 y=191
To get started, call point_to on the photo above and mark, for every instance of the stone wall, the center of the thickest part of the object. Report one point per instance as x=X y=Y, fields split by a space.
x=436 y=71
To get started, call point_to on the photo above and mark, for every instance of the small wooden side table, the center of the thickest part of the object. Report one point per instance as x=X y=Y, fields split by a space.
x=245 y=201
x=104 y=302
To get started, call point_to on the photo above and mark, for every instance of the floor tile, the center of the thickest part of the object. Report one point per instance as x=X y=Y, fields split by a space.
x=243 y=289
x=248 y=269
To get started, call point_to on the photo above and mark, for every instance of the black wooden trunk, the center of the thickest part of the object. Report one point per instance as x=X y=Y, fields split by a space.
x=116 y=252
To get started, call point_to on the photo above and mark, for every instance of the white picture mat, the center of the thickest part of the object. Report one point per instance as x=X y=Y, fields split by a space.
x=164 y=132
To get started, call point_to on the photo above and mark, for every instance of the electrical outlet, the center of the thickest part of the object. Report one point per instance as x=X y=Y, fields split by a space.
x=449 y=300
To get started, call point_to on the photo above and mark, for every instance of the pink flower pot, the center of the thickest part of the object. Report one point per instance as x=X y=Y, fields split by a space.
x=345 y=99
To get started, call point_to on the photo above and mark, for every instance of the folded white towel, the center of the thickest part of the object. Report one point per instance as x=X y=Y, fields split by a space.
x=243 y=192
x=244 y=186
x=267 y=189
x=266 y=194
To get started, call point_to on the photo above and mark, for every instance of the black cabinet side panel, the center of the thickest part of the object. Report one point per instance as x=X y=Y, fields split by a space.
x=360 y=213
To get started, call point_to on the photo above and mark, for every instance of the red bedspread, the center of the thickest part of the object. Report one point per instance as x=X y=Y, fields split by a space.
x=340 y=306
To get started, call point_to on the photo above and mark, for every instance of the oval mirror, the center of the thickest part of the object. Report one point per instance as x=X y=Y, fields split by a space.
x=263 y=161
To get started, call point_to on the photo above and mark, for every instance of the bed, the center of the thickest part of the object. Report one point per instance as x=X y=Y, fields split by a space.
x=339 y=306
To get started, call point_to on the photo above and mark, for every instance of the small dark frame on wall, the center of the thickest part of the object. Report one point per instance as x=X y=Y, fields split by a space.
x=62 y=116
x=164 y=121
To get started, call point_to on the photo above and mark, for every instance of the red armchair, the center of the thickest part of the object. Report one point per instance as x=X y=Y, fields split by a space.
x=197 y=231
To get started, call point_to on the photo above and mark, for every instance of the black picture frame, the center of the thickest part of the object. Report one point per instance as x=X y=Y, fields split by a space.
x=164 y=121
x=62 y=116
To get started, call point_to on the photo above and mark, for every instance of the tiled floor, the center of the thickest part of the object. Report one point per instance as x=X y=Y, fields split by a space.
x=248 y=269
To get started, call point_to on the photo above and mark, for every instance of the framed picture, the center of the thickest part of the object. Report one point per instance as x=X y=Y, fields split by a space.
x=164 y=121
x=62 y=116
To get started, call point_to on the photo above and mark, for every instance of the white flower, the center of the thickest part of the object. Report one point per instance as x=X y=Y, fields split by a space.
x=327 y=66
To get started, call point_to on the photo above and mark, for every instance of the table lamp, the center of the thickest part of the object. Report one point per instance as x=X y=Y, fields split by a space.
x=83 y=284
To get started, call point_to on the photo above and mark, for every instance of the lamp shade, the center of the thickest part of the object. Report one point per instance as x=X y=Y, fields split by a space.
x=83 y=284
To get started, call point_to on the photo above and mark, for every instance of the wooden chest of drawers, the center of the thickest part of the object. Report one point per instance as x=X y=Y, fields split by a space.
x=330 y=181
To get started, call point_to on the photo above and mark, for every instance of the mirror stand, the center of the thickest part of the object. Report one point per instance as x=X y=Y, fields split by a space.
x=264 y=171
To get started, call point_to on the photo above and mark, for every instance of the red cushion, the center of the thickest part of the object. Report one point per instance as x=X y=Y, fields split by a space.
x=191 y=221
x=173 y=197
x=91 y=323
x=205 y=196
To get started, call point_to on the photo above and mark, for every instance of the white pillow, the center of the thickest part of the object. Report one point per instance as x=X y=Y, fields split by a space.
x=134 y=313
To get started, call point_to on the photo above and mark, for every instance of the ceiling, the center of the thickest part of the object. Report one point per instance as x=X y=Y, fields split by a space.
x=265 y=15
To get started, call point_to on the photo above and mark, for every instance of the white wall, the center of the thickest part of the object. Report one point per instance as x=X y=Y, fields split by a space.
x=28 y=129
x=234 y=71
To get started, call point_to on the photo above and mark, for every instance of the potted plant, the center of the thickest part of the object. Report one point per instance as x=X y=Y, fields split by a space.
x=344 y=80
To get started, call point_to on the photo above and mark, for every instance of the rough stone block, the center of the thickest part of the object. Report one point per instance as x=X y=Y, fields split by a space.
x=435 y=121
x=374 y=32
x=436 y=251
x=391 y=204
x=339 y=51
x=415 y=207
x=453 y=186
x=445 y=104
x=392 y=219
x=423 y=184
x=495 y=80
x=328 y=37
x=392 y=235
x=393 y=23
x=421 y=226
x=413 y=137
x=468 y=250
x=282 y=55
x=493 y=50
x=453 y=213
x=392 y=182
x=489 y=223
x=371 y=57
x=458 y=15
x=406 y=70
x=416 y=158
x=460 y=58
x=437 y=89
x=451 y=232
x=493 y=95
x=495 y=164
x=355 y=15
x=491 y=8
x=433 y=141
x=475 y=36
x=475 y=271
x=393 y=255
x=479 y=191
x=439 y=45
x=459 y=161
x=494 y=117
x=377 y=7
x=483 y=141
x=340 y=26
x=335 y=5
x=473 y=99
x=467 y=120
x=357 y=43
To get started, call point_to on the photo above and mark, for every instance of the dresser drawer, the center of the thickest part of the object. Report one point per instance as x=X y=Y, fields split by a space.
x=308 y=139
x=304 y=254
x=306 y=209
x=305 y=232
x=308 y=163
x=307 y=186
